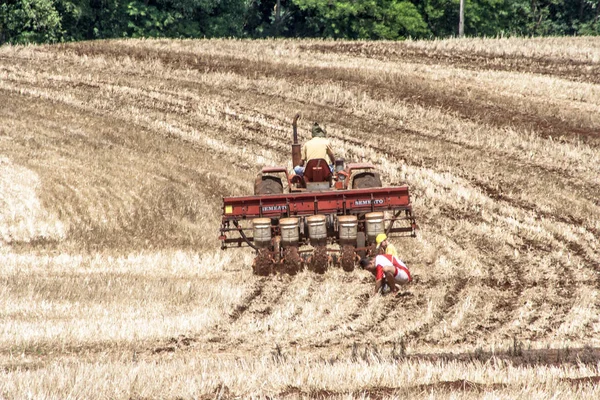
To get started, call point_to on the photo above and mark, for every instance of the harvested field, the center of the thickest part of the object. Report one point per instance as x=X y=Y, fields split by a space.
x=114 y=157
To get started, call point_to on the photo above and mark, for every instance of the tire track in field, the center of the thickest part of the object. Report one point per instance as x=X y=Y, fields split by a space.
x=84 y=209
x=225 y=334
x=306 y=299
x=125 y=101
x=360 y=312
x=253 y=294
x=379 y=129
x=509 y=305
x=560 y=294
x=503 y=273
x=508 y=274
x=450 y=299
x=566 y=287
x=438 y=139
x=346 y=327
x=505 y=308
x=500 y=197
x=574 y=70
x=493 y=111
x=272 y=294
x=314 y=319
x=294 y=314
x=589 y=189
x=564 y=172
x=568 y=284
x=378 y=319
x=247 y=328
x=565 y=292
x=404 y=308
x=171 y=109
x=364 y=322
x=494 y=193
x=167 y=139
x=507 y=294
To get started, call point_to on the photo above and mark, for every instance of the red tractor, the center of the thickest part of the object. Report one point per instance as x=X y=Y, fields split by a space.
x=321 y=218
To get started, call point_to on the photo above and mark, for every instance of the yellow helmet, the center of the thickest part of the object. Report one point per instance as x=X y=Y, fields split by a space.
x=380 y=238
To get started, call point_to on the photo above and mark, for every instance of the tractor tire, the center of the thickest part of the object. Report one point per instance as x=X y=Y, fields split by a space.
x=366 y=180
x=268 y=185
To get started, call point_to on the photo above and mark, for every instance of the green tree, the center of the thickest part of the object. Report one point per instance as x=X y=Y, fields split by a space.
x=555 y=17
x=185 y=18
x=589 y=18
x=77 y=19
x=487 y=17
x=482 y=17
x=361 y=19
x=145 y=20
x=29 y=21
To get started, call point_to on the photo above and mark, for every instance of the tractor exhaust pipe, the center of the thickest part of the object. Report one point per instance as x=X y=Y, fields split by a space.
x=296 y=149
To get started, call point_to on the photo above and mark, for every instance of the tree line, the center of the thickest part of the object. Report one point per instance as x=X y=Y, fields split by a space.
x=51 y=21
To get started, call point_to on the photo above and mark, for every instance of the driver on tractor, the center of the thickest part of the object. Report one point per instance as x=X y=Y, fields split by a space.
x=316 y=148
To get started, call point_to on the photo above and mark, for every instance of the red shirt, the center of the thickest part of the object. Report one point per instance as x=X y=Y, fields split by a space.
x=388 y=259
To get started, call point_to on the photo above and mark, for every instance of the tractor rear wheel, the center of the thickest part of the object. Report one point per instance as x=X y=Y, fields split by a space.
x=366 y=180
x=268 y=185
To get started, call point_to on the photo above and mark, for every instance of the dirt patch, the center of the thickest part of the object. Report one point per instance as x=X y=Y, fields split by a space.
x=587 y=380
x=383 y=392
x=518 y=356
x=461 y=385
x=180 y=342
x=263 y=263
x=292 y=263
x=22 y=366
x=371 y=393
x=319 y=260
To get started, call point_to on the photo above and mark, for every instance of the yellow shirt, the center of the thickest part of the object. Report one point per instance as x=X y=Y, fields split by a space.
x=316 y=148
x=390 y=249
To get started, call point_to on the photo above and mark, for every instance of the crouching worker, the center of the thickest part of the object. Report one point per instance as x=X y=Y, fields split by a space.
x=388 y=269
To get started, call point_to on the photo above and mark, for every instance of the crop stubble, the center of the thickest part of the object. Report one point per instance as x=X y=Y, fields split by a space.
x=135 y=143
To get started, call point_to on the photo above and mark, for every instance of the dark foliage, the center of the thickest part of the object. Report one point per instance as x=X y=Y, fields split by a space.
x=48 y=21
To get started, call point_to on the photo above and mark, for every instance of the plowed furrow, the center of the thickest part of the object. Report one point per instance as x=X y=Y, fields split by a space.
x=586 y=190
x=575 y=70
x=589 y=189
x=251 y=327
x=492 y=110
x=253 y=294
x=135 y=145
x=303 y=299
x=419 y=334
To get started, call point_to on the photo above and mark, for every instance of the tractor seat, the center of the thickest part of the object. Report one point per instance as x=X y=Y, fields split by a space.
x=317 y=170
